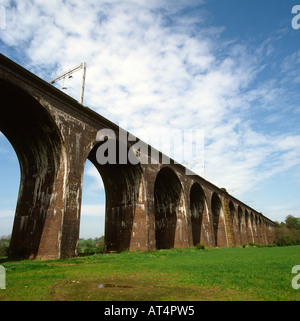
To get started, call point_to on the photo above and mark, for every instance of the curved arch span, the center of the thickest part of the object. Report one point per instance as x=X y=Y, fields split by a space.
x=125 y=208
x=198 y=210
x=218 y=221
x=170 y=211
x=40 y=151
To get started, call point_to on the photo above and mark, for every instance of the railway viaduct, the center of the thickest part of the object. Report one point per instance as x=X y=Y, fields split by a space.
x=148 y=206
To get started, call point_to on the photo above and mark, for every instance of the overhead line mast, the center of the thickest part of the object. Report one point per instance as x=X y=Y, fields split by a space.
x=69 y=73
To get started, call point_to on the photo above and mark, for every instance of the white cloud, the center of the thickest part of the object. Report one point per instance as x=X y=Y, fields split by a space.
x=7 y=213
x=157 y=76
x=92 y=172
x=93 y=210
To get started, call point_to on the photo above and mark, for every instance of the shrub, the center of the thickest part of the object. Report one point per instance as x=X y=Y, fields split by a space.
x=200 y=246
x=271 y=245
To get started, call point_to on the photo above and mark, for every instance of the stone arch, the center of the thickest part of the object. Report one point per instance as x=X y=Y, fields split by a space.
x=256 y=229
x=270 y=232
x=42 y=158
x=198 y=208
x=170 y=212
x=125 y=209
x=260 y=231
x=248 y=226
x=232 y=211
x=253 y=226
x=92 y=210
x=234 y=221
x=267 y=230
x=242 y=226
x=218 y=221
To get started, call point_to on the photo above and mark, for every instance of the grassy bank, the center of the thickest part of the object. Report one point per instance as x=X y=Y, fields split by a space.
x=179 y=274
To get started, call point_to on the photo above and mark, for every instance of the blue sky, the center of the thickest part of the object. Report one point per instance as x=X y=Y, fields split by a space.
x=230 y=68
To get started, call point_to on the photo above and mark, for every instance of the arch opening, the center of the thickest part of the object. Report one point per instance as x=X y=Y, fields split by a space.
x=232 y=211
x=260 y=231
x=125 y=221
x=197 y=208
x=248 y=226
x=92 y=217
x=216 y=207
x=9 y=186
x=252 y=227
x=240 y=225
x=256 y=228
x=233 y=219
x=167 y=197
x=39 y=148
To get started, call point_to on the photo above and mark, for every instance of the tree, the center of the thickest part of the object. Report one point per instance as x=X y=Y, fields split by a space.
x=91 y=246
x=4 y=245
x=292 y=222
x=288 y=232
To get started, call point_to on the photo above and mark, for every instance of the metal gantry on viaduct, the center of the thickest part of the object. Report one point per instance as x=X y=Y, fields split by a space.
x=148 y=206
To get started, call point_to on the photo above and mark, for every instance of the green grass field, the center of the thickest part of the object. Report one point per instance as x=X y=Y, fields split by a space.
x=249 y=273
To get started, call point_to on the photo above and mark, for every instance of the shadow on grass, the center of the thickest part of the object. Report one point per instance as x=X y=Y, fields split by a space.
x=6 y=259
